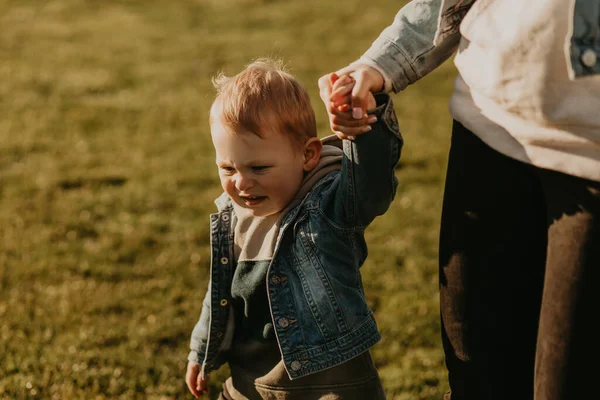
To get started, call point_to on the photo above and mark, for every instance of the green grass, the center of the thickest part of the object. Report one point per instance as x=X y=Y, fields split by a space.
x=107 y=179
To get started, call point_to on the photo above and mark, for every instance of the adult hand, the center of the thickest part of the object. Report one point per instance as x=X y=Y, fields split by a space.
x=349 y=121
x=194 y=381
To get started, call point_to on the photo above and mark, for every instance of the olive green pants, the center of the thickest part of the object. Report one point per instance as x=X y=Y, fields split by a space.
x=356 y=379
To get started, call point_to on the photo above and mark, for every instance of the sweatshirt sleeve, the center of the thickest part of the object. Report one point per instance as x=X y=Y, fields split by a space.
x=200 y=333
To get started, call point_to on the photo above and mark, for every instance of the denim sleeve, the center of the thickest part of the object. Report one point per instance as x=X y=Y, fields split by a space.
x=405 y=50
x=200 y=333
x=367 y=184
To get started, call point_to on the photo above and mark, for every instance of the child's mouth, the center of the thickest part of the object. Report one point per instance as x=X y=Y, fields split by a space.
x=252 y=201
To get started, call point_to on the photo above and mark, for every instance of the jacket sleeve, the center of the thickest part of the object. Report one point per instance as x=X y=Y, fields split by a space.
x=413 y=45
x=200 y=333
x=367 y=184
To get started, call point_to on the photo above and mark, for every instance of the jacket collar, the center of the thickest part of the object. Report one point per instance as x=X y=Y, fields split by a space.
x=223 y=202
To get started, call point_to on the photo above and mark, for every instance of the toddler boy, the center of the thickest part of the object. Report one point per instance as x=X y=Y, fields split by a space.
x=285 y=307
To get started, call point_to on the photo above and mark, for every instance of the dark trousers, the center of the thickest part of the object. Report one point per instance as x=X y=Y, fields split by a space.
x=519 y=278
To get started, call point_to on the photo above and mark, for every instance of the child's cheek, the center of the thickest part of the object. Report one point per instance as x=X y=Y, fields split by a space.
x=226 y=184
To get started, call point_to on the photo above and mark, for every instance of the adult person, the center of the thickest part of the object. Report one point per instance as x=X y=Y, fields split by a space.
x=520 y=229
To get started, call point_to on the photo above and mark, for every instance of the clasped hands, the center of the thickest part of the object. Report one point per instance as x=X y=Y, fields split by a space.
x=348 y=95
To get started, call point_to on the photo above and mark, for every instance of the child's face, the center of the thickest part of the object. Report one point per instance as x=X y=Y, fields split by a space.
x=260 y=174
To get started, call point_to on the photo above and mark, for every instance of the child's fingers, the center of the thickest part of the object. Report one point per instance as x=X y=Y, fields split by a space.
x=341 y=88
x=345 y=118
x=344 y=107
x=333 y=77
x=202 y=384
x=342 y=81
x=193 y=379
x=190 y=381
x=342 y=94
x=193 y=390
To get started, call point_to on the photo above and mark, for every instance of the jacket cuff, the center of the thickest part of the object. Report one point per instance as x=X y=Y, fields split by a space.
x=384 y=111
x=392 y=63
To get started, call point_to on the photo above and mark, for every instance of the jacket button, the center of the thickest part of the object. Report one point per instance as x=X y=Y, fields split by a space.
x=223 y=302
x=224 y=260
x=589 y=58
x=219 y=334
x=283 y=322
x=225 y=217
x=296 y=365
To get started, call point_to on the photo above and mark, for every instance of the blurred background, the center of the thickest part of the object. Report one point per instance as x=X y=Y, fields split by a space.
x=107 y=180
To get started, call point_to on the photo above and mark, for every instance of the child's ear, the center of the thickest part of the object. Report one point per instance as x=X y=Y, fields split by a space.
x=312 y=153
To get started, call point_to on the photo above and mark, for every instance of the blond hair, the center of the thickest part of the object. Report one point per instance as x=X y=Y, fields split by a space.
x=264 y=97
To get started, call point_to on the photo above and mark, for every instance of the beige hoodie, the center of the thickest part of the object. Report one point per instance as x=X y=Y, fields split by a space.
x=514 y=90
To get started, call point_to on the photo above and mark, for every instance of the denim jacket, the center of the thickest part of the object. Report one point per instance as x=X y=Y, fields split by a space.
x=314 y=287
x=427 y=32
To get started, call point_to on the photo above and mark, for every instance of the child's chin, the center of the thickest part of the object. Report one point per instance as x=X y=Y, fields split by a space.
x=260 y=213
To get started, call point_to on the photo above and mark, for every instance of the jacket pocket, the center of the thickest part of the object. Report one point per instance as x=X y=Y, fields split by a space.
x=318 y=290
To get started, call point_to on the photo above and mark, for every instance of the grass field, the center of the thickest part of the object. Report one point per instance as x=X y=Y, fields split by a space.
x=107 y=179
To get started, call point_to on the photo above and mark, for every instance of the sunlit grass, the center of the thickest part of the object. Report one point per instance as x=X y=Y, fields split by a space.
x=107 y=180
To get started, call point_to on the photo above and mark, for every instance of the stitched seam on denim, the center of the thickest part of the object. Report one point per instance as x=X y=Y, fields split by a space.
x=322 y=274
x=394 y=155
x=220 y=287
x=351 y=212
x=354 y=384
x=361 y=347
x=309 y=299
x=333 y=345
x=340 y=229
x=342 y=323
x=213 y=256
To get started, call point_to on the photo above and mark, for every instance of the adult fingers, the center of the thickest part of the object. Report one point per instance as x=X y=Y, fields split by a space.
x=368 y=80
x=360 y=94
x=345 y=119
x=325 y=83
x=345 y=71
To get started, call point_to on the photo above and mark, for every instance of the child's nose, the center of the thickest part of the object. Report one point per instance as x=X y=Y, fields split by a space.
x=243 y=183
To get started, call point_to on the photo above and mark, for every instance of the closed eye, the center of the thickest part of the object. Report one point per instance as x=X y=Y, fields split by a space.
x=260 y=168
x=227 y=170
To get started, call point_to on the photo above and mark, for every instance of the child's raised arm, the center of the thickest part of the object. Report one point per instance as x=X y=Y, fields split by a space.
x=367 y=184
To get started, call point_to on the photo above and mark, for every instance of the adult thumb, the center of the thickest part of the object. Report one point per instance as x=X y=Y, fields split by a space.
x=360 y=94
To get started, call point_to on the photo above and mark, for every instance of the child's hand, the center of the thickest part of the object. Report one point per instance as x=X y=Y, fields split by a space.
x=341 y=94
x=194 y=381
